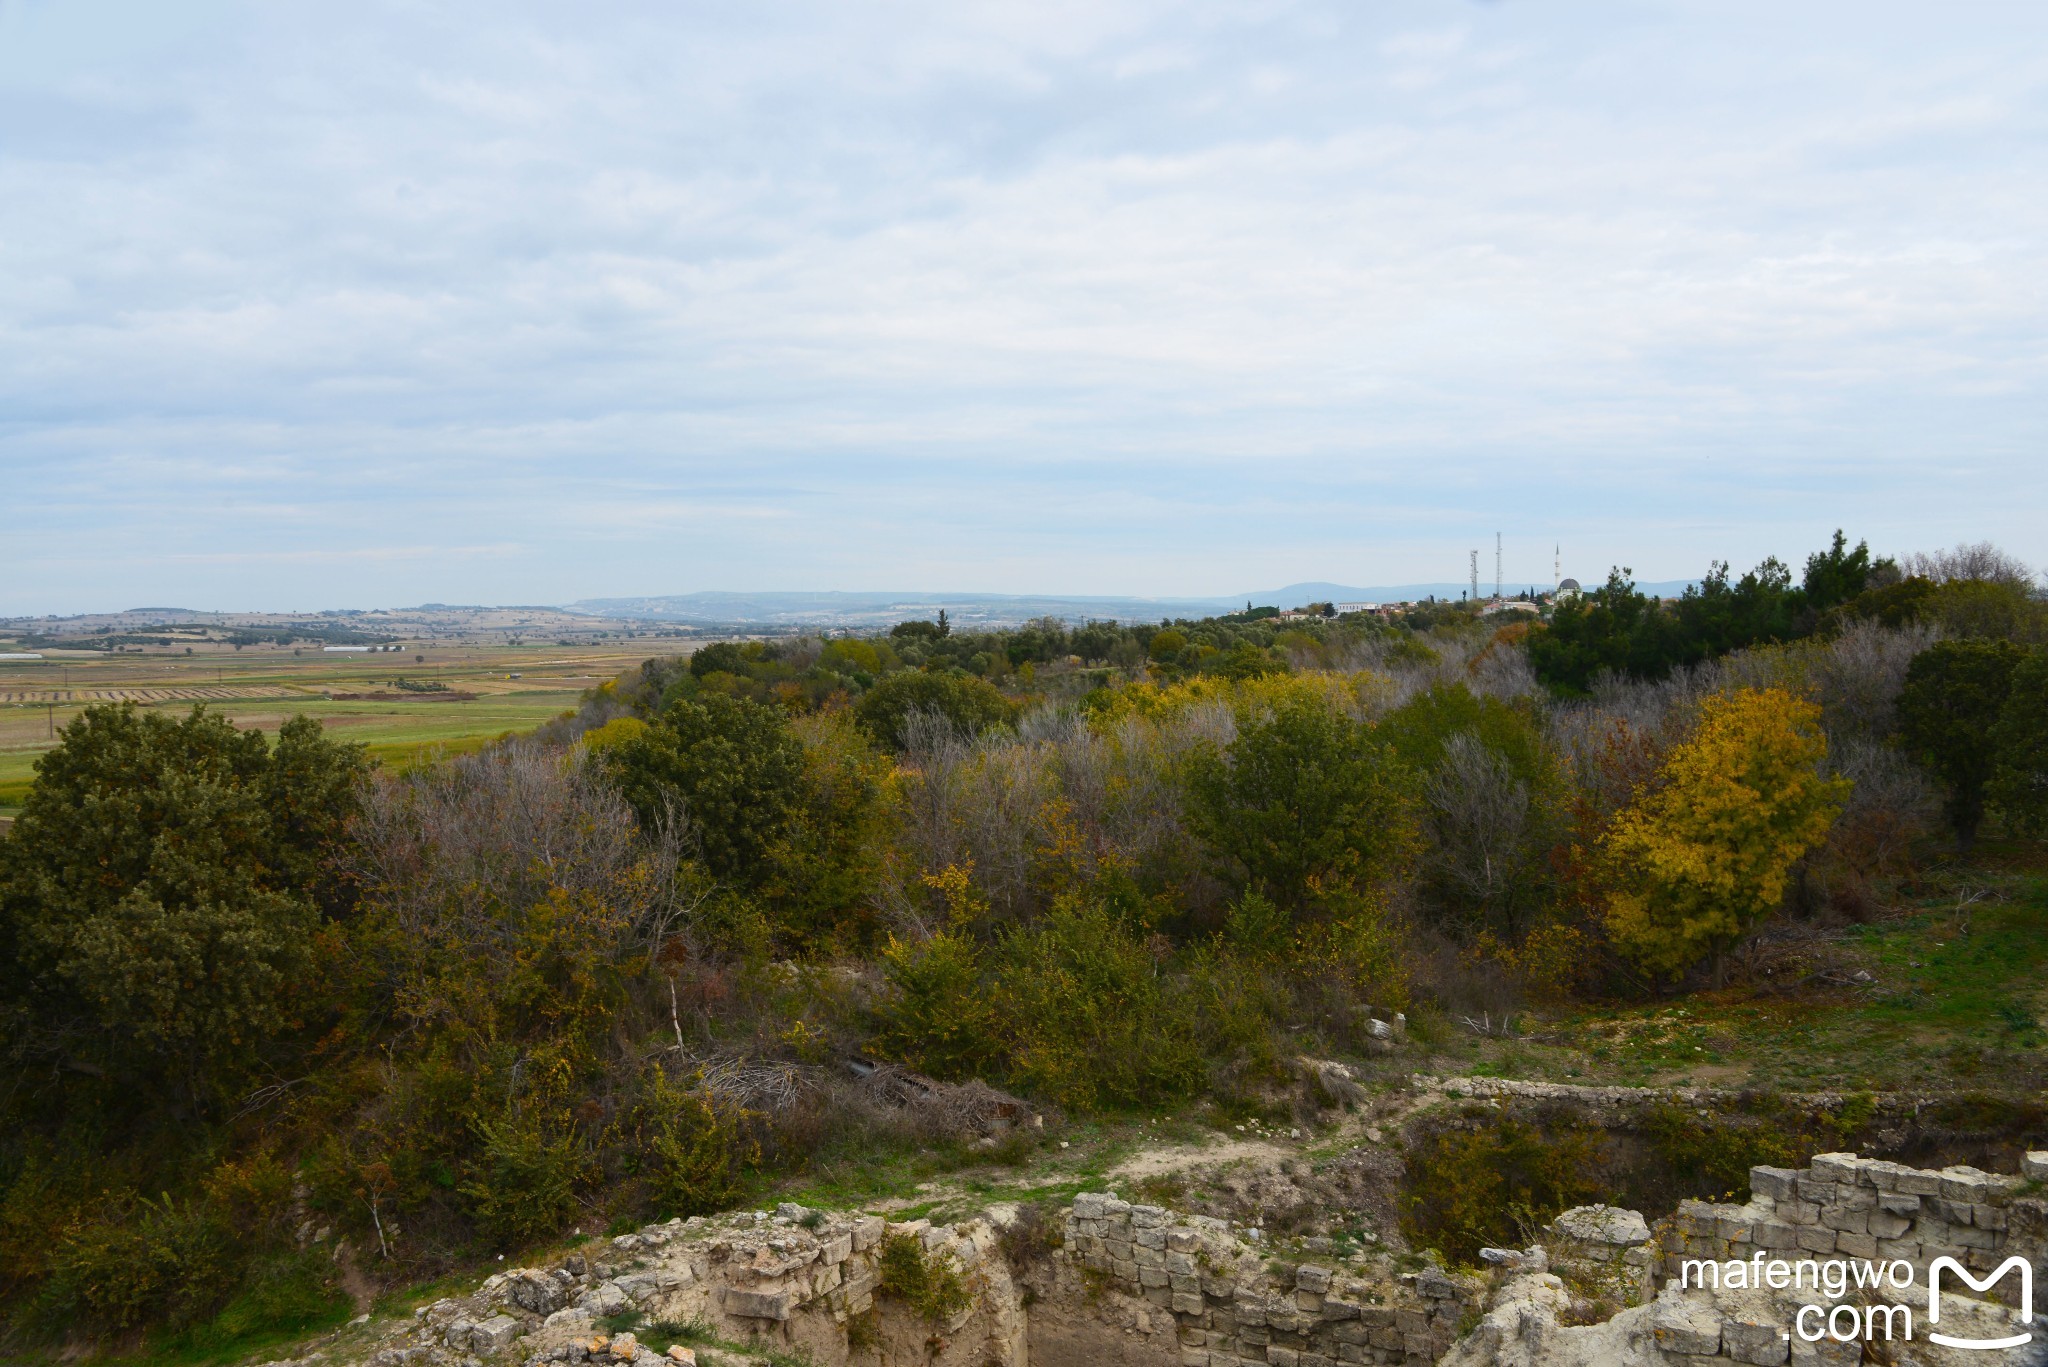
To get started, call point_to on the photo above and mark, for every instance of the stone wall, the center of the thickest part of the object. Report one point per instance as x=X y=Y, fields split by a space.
x=1229 y=1308
x=1842 y=1206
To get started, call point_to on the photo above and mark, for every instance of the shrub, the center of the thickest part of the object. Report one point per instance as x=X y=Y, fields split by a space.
x=701 y=1150
x=1496 y=1184
x=131 y=1264
x=1092 y=1024
x=525 y=1177
x=939 y=1016
x=929 y=1283
x=968 y=704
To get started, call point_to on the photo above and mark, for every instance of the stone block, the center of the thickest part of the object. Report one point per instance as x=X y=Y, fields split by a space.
x=1147 y=1217
x=759 y=1305
x=1913 y=1182
x=1281 y=1357
x=1770 y=1234
x=1818 y=1190
x=1988 y=1216
x=1969 y=1236
x=1186 y=1303
x=1183 y=1240
x=1194 y=1357
x=1355 y=1353
x=1119 y=1249
x=1218 y=1285
x=1180 y=1264
x=1314 y=1360
x=1799 y=1212
x=1834 y=1167
x=1815 y=1239
x=1733 y=1228
x=1772 y=1182
x=1335 y=1310
x=1376 y=1316
x=493 y=1336
x=1411 y=1321
x=1963 y=1185
x=1855 y=1245
x=838 y=1248
x=1189 y=1282
x=1388 y=1338
x=1680 y=1326
x=1151 y=1276
x=867 y=1232
x=1892 y=1249
x=1309 y=1277
x=2034 y=1166
x=1883 y=1224
x=1898 y=1203
x=1124 y=1271
x=1841 y=1217
x=1149 y=1257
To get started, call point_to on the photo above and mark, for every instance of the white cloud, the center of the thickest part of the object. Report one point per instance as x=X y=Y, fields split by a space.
x=1312 y=283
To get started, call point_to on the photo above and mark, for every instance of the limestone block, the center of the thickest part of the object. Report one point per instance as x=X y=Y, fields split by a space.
x=1314 y=1360
x=1183 y=1240
x=1840 y=1217
x=1770 y=1234
x=1282 y=1357
x=1988 y=1217
x=1411 y=1321
x=1963 y=1185
x=493 y=1336
x=1194 y=1357
x=1335 y=1310
x=1834 y=1167
x=1898 y=1203
x=838 y=1248
x=1968 y=1236
x=1180 y=1264
x=1124 y=1270
x=1150 y=1237
x=2034 y=1167
x=1816 y=1239
x=1217 y=1285
x=1913 y=1182
x=1147 y=1217
x=1185 y=1303
x=1309 y=1277
x=1606 y=1225
x=1733 y=1228
x=1679 y=1326
x=1763 y=1344
x=759 y=1304
x=1817 y=1190
x=1856 y=1245
x=1798 y=1212
x=1772 y=1182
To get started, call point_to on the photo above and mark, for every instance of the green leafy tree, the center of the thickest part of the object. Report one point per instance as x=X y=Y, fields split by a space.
x=2020 y=782
x=1304 y=798
x=1949 y=713
x=157 y=893
x=728 y=765
x=968 y=703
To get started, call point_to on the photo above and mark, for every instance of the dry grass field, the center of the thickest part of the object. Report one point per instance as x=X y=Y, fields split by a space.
x=509 y=688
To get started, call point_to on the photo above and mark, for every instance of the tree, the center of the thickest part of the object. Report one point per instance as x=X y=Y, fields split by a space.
x=2020 y=784
x=1706 y=851
x=1303 y=799
x=1948 y=718
x=157 y=893
x=1838 y=574
x=967 y=703
x=729 y=764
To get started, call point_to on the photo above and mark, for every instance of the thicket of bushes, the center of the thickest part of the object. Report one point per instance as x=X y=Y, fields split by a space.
x=617 y=968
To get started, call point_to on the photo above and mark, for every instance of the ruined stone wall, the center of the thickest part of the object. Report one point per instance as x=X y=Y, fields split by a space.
x=1227 y=1307
x=1842 y=1206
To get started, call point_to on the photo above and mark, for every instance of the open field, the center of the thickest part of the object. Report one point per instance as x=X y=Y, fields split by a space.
x=507 y=688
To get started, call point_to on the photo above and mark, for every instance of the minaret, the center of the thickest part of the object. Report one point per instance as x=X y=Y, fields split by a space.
x=1496 y=567
x=1556 y=568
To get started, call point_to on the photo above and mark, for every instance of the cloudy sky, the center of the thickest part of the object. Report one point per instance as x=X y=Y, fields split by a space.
x=314 y=305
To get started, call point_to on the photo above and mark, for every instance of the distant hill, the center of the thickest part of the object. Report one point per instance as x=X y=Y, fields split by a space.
x=795 y=609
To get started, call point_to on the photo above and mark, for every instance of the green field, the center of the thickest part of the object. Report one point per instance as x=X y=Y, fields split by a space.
x=264 y=688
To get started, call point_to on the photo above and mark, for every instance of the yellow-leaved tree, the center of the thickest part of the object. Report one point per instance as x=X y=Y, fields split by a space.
x=1703 y=853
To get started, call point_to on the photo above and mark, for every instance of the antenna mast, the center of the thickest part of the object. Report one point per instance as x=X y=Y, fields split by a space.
x=1475 y=578
x=1496 y=567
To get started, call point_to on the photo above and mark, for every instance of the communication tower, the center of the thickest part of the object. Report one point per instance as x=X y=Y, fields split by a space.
x=1475 y=579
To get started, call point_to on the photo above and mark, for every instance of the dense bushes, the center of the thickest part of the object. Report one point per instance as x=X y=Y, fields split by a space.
x=618 y=969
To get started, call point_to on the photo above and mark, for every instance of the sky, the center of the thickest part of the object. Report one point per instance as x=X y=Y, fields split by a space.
x=310 y=305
